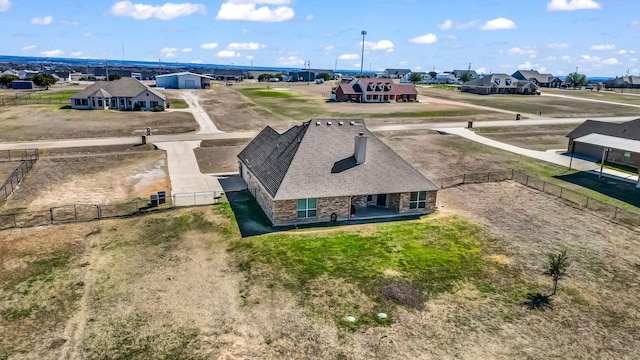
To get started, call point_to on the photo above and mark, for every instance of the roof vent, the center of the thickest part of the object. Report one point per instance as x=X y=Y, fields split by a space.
x=352 y=123
x=317 y=123
x=341 y=123
x=329 y=123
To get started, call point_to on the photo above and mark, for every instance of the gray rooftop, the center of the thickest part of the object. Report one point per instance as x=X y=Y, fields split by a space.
x=125 y=87
x=610 y=142
x=626 y=130
x=314 y=161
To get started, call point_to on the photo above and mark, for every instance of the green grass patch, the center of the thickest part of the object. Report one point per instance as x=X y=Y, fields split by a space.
x=37 y=272
x=432 y=257
x=168 y=230
x=177 y=103
x=268 y=93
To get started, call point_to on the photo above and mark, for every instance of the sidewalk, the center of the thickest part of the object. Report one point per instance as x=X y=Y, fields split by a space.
x=551 y=157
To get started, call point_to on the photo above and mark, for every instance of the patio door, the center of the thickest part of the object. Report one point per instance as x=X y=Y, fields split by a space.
x=381 y=200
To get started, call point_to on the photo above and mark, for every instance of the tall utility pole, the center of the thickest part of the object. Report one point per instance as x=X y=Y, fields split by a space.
x=106 y=71
x=363 y=33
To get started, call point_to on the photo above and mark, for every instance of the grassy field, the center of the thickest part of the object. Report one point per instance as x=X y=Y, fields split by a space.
x=177 y=103
x=548 y=106
x=184 y=284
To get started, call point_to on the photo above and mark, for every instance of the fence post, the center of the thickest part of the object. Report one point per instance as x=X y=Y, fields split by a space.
x=527 y=181
x=464 y=178
x=75 y=212
x=488 y=176
x=51 y=215
x=442 y=183
x=561 y=191
x=587 y=202
x=15 y=222
x=615 y=213
x=544 y=183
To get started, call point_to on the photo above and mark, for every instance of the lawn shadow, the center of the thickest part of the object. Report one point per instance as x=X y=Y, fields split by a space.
x=252 y=220
x=616 y=188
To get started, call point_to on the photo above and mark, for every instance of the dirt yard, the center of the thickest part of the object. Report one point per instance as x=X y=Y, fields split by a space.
x=107 y=175
x=219 y=156
x=540 y=138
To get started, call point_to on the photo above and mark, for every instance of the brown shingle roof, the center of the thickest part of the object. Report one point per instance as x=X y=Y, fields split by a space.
x=314 y=161
x=627 y=130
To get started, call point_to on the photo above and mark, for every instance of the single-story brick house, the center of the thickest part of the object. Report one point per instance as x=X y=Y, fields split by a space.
x=500 y=84
x=331 y=170
x=542 y=80
x=620 y=135
x=123 y=94
x=375 y=91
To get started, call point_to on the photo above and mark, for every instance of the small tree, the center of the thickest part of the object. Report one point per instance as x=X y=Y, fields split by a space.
x=433 y=75
x=576 y=80
x=279 y=76
x=44 y=80
x=415 y=78
x=323 y=76
x=264 y=77
x=5 y=80
x=113 y=77
x=557 y=268
x=465 y=77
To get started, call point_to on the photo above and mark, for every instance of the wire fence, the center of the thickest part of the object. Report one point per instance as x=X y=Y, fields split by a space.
x=36 y=98
x=27 y=159
x=599 y=207
x=89 y=212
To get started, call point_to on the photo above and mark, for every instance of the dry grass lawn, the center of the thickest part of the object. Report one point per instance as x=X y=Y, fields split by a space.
x=165 y=286
x=539 y=138
x=40 y=122
x=219 y=156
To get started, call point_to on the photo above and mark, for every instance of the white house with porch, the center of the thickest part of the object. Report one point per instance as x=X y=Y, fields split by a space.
x=123 y=94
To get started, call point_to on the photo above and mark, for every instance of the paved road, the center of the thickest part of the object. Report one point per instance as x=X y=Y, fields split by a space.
x=548 y=156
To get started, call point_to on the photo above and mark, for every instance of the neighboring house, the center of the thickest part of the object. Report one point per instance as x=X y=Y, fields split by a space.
x=375 y=90
x=623 y=82
x=331 y=170
x=542 y=80
x=616 y=135
x=459 y=73
x=10 y=72
x=122 y=94
x=396 y=73
x=26 y=74
x=302 y=75
x=227 y=74
x=183 y=80
x=499 y=84
x=101 y=73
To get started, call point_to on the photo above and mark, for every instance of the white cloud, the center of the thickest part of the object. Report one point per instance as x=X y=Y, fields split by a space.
x=227 y=54
x=481 y=70
x=403 y=63
x=450 y=37
x=591 y=59
x=559 y=46
x=76 y=53
x=348 y=57
x=418 y=67
x=527 y=65
x=209 y=46
x=27 y=48
x=571 y=5
x=244 y=46
x=289 y=61
x=610 y=61
x=197 y=61
x=187 y=49
x=249 y=57
x=626 y=52
x=499 y=24
x=424 y=39
x=5 y=5
x=47 y=20
x=166 y=11
x=380 y=45
x=450 y=24
x=634 y=23
x=328 y=48
x=606 y=47
x=310 y=17
x=247 y=10
x=168 y=52
x=565 y=58
x=529 y=51
x=52 y=53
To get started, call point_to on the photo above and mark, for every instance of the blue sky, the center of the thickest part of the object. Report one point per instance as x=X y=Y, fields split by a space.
x=600 y=37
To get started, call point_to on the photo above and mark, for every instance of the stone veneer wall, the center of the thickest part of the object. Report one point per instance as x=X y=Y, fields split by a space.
x=286 y=211
x=359 y=201
x=261 y=196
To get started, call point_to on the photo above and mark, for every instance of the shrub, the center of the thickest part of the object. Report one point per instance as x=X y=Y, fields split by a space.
x=158 y=108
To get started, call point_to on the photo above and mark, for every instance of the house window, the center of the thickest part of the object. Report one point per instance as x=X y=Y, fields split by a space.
x=154 y=103
x=497 y=81
x=143 y=104
x=306 y=208
x=627 y=156
x=418 y=200
x=507 y=82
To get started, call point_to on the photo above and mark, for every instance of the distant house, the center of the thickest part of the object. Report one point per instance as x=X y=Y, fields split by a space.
x=623 y=82
x=62 y=76
x=459 y=73
x=122 y=94
x=542 y=80
x=499 y=84
x=227 y=74
x=396 y=73
x=331 y=170
x=22 y=84
x=301 y=75
x=101 y=73
x=592 y=137
x=375 y=90
x=9 y=72
x=27 y=74
x=183 y=80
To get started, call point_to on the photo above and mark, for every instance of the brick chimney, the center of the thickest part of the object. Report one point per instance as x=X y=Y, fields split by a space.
x=360 y=151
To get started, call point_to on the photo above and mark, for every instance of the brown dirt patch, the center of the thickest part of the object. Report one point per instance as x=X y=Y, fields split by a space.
x=402 y=293
x=100 y=178
x=219 y=156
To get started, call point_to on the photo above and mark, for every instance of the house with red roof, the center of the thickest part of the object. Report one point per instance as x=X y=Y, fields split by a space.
x=375 y=90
